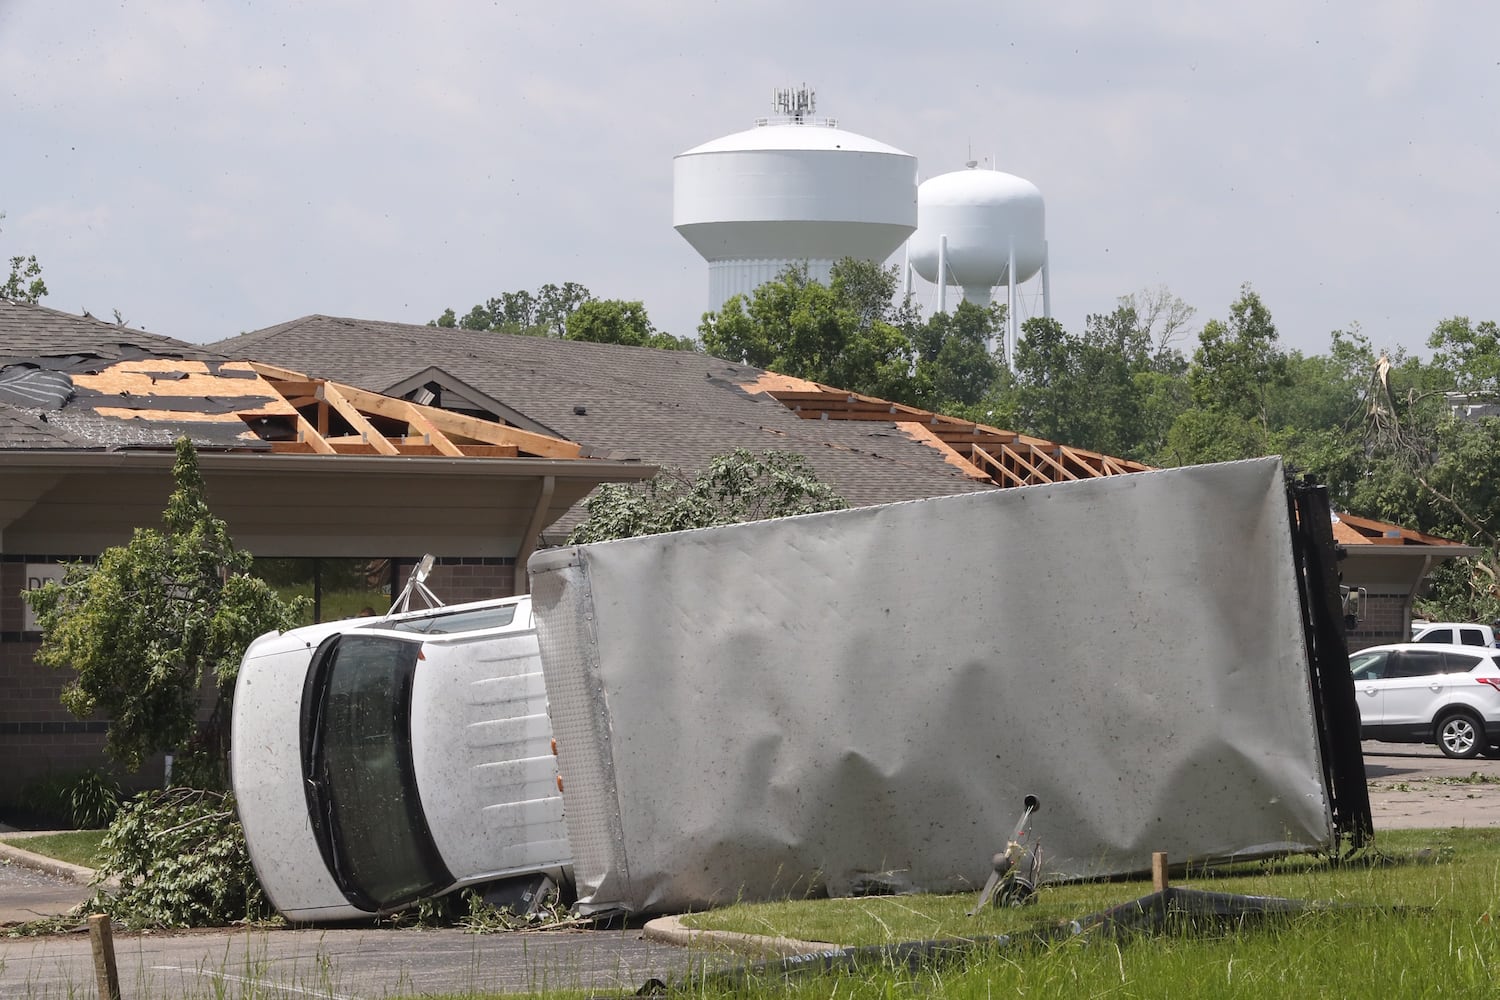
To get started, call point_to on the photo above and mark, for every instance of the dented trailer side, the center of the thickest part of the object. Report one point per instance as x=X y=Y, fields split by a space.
x=759 y=710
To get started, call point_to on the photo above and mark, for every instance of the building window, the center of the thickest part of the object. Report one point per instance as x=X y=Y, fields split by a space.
x=339 y=588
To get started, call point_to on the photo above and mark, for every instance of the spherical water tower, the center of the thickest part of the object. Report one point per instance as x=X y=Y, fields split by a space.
x=978 y=229
x=793 y=189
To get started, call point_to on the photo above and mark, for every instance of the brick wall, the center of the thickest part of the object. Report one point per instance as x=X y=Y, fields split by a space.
x=458 y=581
x=1384 y=619
x=38 y=736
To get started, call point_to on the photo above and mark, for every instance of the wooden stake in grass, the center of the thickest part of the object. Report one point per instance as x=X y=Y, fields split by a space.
x=105 y=973
x=1159 y=871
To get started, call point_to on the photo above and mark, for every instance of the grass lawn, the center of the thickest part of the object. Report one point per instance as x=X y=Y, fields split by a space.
x=1419 y=923
x=1417 y=919
x=78 y=847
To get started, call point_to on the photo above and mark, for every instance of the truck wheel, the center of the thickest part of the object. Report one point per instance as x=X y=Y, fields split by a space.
x=1459 y=735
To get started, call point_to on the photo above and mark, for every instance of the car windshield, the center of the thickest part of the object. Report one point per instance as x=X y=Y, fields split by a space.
x=361 y=781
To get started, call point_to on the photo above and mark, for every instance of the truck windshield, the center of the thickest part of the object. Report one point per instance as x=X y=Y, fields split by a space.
x=361 y=784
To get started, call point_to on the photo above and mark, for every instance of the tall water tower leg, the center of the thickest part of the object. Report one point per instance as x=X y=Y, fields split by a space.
x=1012 y=326
x=1046 y=281
x=942 y=274
x=905 y=272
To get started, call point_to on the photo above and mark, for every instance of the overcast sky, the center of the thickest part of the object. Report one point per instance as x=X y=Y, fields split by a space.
x=213 y=168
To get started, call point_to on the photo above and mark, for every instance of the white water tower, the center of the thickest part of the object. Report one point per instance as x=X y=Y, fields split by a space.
x=793 y=189
x=977 y=230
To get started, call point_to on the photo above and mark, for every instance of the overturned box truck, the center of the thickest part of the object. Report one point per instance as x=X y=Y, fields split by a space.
x=830 y=701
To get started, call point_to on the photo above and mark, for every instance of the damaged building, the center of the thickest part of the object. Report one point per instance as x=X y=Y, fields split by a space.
x=325 y=439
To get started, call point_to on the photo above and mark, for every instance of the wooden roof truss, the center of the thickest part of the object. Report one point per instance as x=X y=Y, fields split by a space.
x=1003 y=457
x=330 y=418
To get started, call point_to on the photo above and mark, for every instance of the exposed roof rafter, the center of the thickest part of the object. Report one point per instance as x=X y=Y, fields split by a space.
x=1004 y=457
x=385 y=425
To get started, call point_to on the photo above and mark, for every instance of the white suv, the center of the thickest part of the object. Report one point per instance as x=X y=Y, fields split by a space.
x=1422 y=692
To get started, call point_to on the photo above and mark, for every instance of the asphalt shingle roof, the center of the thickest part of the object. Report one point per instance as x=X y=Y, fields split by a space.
x=31 y=431
x=671 y=408
x=29 y=334
x=45 y=355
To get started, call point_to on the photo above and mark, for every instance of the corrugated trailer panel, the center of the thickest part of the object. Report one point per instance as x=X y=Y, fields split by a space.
x=761 y=710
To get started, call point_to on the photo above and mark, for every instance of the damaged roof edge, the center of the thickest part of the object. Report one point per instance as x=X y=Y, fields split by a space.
x=409 y=465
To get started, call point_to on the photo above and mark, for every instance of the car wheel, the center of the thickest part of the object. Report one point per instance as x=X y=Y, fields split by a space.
x=1459 y=735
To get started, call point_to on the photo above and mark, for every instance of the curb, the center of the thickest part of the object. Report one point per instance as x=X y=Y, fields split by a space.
x=62 y=869
x=671 y=930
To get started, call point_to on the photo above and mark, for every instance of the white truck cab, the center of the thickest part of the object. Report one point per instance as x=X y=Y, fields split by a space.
x=380 y=761
x=1455 y=633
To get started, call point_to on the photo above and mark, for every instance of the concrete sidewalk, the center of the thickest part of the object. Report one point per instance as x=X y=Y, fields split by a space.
x=33 y=886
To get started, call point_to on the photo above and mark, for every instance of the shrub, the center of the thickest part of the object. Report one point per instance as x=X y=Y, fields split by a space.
x=179 y=855
x=78 y=800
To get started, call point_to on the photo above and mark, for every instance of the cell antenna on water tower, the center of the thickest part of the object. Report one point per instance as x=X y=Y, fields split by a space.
x=798 y=105
x=793 y=190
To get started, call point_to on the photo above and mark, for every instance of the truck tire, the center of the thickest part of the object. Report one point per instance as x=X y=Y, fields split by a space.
x=1460 y=734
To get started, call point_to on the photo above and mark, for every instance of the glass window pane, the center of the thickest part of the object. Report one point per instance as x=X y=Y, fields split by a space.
x=1417 y=663
x=1368 y=666
x=1459 y=663
x=353 y=587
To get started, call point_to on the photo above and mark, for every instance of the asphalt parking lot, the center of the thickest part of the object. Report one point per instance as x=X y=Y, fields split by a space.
x=1410 y=786
x=1413 y=785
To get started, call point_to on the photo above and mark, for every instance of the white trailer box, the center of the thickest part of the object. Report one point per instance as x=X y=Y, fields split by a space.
x=767 y=709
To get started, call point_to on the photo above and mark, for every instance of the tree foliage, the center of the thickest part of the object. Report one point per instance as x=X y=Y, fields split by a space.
x=25 y=283
x=613 y=321
x=737 y=486
x=179 y=859
x=151 y=621
x=567 y=311
x=1236 y=368
x=855 y=334
x=1115 y=388
x=1469 y=355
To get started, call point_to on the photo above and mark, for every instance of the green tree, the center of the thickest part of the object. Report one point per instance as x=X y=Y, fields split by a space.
x=840 y=334
x=477 y=318
x=613 y=321
x=146 y=625
x=25 y=283
x=1429 y=465
x=1235 y=371
x=514 y=312
x=555 y=303
x=955 y=365
x=610 y=321
x=1116 y=388
x=737 y=486
x=544 y=313
x=1469 y=354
